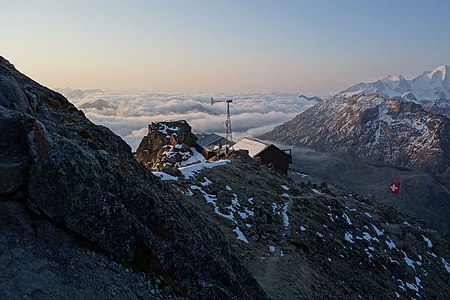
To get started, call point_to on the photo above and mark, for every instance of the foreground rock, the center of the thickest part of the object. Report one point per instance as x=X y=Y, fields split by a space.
x=39 y=260
x=84 y=178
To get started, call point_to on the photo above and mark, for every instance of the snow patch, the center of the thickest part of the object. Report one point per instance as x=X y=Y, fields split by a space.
x=213 y=200
x=446 y=264
x=378 y=232
x=347 y=219
x=367 y=236
x=349 y=237
x=369 y=255
x=408 y=261
x=428 y=241
x=285 y=187
x=192 y=170
x=285 y=216
x=390 y=244
x=316 y=192
x=164 y=176
x=196 y=156
x=412 y=286
x=240 y=235
x=206 y=182
x=350 y=209
x=369 y=215
x=163 y=128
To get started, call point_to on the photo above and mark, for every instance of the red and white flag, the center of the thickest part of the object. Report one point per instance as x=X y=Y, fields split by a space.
x=394 y=188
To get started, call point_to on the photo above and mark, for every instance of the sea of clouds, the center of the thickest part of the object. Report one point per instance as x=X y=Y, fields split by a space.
x=128 y=115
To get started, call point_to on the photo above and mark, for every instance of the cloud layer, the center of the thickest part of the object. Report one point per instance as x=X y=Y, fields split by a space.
x=129 y=114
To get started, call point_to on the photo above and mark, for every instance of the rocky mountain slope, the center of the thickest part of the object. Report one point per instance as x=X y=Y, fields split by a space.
x=423 y=195
x=55 y=163
x=81 y=218
x=276 y=224
x=316 y=241
x=389 y=131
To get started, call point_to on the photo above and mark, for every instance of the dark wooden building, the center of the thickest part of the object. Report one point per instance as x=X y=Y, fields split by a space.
x=209 y=144
x=268 y=154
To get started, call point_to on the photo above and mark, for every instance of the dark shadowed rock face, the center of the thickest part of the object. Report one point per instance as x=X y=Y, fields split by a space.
x=383 y=130
x=84 y=177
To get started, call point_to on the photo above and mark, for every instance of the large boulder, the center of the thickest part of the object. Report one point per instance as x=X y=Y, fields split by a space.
x=85 y=178
x=167 y=146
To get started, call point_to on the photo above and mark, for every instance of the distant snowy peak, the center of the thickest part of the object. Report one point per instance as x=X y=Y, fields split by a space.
x=396 y=78
x=440 y=73
x=431 y=85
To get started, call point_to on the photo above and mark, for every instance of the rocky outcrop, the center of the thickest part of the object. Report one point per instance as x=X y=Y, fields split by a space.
x=167 y=146
x=389 y=131
x=84 y=178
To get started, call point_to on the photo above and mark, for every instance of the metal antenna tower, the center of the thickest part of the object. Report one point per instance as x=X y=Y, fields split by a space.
x=228 y=133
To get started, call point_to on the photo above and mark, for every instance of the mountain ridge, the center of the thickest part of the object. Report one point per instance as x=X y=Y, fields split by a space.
x=430 y=85
x=383 y=130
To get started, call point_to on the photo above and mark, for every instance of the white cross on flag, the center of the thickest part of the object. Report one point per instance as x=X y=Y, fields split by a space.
x=394 y=188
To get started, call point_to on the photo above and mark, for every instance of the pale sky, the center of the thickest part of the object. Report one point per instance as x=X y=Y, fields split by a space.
x=223 y=46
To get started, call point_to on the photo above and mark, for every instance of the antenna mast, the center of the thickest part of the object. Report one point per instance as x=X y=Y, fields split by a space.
x=228 y=133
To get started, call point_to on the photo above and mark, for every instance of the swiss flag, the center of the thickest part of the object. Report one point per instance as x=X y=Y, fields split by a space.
x=394 y=188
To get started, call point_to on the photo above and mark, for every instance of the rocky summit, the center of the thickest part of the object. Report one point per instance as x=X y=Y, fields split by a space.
x=82 y=219
x=167 y=146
